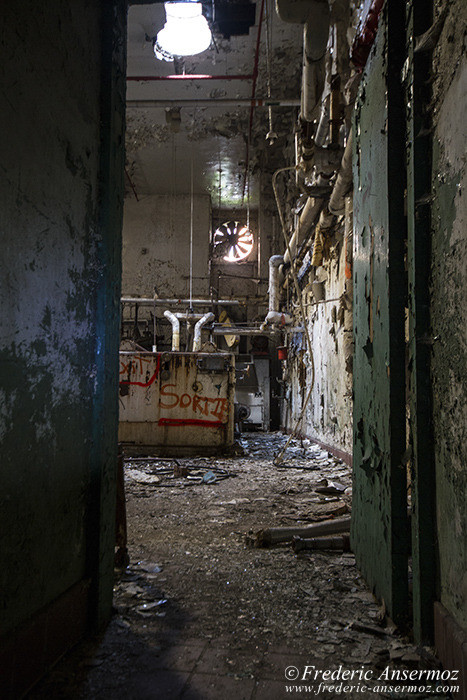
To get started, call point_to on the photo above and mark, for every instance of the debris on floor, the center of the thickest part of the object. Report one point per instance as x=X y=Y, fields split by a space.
x=199 y=614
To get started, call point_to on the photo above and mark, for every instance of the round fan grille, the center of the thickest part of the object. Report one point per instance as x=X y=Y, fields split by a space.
x=234 y=241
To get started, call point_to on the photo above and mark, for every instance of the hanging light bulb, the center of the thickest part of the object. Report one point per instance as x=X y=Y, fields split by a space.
x=186 y=32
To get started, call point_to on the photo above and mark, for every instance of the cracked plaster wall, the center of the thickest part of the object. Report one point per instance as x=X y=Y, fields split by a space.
x=449 y=309
x=328 y=416
x=156 y=246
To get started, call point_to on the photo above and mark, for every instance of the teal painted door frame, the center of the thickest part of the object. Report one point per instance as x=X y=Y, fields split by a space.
x=102 y=509
x=379 y=513
x=419 y=172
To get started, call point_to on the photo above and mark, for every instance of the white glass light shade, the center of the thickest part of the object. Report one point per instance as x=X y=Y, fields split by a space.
x=186 y=32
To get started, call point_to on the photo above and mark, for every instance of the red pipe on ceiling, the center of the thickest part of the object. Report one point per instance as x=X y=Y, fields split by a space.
x=253 y=92
x=192 y=76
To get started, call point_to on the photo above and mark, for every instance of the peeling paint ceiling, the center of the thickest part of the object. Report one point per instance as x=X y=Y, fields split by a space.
x=211 y=138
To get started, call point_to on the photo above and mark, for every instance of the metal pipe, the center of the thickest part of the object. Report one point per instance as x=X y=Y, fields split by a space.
x=305 y=222
x=343 y=182
x=188 y=316
x=175 y=330
x=315 y=39
x=197 y=335
x=232 y=330
x=277 y=318
x=322 y=129
x=253 y=92
x=267 y=330
x=192 y=76
x=335 y=109
x=214 y=102
x=174 y=302
x=275 y=261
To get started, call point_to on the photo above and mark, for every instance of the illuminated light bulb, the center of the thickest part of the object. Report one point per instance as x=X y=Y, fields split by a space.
x=186 y=32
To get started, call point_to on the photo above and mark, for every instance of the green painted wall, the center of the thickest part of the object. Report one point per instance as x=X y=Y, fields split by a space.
x=60 y=218
x=449 y=309
x=379 y=503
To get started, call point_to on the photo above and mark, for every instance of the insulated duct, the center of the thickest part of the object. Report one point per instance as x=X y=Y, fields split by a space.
x=198 y=327
x=175 y=330
x=314 y=15
x=274 y=315
x=344 y=181
x=274 y=264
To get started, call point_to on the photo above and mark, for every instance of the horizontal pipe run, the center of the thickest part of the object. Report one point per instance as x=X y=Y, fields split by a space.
x=177 y=302
x=213 y=102
x=227 y=330
x=189 y=316
x=193 y=76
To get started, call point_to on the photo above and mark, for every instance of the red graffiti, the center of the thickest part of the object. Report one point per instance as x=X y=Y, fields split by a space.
x=191 y=421
x=206 y=405
x=136 y=364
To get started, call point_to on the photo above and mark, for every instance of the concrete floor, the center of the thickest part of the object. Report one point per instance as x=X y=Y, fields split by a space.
x=201 y=615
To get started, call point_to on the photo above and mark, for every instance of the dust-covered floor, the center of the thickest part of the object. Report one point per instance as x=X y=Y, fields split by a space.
x=200 y=613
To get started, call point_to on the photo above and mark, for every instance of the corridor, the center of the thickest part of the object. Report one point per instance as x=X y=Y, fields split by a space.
x=233 y=280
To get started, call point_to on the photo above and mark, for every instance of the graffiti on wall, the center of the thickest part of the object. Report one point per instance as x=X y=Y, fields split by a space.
x=137 y=369
x=207 y=406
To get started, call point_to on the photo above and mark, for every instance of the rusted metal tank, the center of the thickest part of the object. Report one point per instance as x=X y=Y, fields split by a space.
x=175 y=403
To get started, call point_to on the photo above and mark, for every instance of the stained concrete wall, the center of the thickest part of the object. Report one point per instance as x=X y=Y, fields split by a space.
x=156 y=245
x=449 y=309
x=328 y=416
x=61 y=129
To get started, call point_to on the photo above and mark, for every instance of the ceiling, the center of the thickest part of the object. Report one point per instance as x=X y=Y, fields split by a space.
x=212 y=140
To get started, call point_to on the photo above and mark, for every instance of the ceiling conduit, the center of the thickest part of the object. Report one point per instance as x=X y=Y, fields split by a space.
x=192 y=76
x=315 y=16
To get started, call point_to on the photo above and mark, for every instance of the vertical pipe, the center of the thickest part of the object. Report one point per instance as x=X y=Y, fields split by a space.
x=335 y=109
x=175 y=330
x=198 y=327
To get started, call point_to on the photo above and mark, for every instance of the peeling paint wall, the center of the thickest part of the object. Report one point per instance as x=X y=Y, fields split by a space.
x=328 y=416
x=59 y=290
x=449 y=309
x=156 y=246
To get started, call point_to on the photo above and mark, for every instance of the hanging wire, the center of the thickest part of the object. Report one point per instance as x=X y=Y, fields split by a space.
x=192 y=201
x=174 y=173
x=278 y=457
x=248 y=201
x=191 y=233
x=271 y=136
x=220 y=177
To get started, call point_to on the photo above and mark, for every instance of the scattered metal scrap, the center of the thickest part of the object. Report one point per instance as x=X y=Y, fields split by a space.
x=276 y=535
x=171 y=472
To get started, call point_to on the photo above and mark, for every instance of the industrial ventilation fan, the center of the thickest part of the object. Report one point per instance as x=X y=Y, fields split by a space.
x=233 y=241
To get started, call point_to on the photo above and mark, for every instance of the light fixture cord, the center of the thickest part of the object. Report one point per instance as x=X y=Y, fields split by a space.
x=174 y=172
x=191 y=230
x=220 y=179
x=248 y=202
x=268 y=18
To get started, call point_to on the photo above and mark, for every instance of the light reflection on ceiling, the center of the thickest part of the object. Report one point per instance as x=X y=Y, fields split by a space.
x=159 y=159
